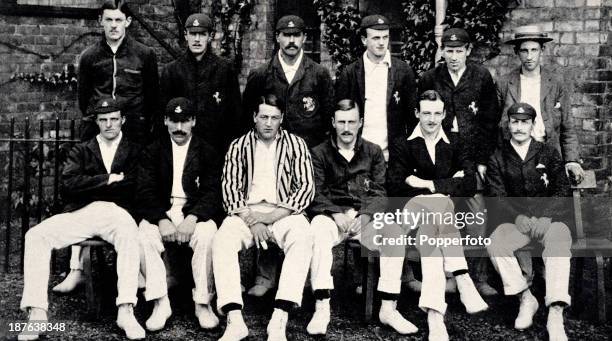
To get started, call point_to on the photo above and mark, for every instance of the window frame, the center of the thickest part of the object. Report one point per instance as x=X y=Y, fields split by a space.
x=11 y=7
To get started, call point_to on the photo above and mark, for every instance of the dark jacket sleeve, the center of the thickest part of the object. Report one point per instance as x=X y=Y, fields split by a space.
x=234 y=111
x=459 y=187
x=377 y=200
x=499 y=207
x=151 y=89
x=209 y=190
x=150 y=205
x=409 y=91
x=343 y=86
x=568 y=137
x=321 y=203
x=78 y=184
x=326 y=93
x=489 y=120
x=559 y=184
x=84 y=82
x=399 y=169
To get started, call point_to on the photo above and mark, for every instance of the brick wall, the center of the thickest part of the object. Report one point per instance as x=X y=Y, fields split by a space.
x=583 y=48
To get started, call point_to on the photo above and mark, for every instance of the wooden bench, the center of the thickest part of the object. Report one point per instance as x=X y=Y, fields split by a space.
x=582 y=247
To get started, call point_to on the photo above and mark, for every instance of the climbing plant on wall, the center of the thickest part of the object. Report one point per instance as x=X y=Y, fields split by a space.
x=341 y=34
x=419 y=46
x=483 y=19
x=234 y=17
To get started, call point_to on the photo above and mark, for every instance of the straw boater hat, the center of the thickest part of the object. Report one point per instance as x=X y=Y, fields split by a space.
x=528 y=33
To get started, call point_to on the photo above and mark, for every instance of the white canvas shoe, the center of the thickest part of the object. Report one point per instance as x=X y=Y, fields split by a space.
x=320 y=318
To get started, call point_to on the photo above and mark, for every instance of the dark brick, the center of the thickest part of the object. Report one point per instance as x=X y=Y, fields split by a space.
x=593 y=162
x=593 y=88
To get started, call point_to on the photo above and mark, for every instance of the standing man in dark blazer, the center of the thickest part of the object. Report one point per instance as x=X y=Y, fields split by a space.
x=472 y=115
x=547 y=92
x=529 y=178
x=98 y=182
x=208 y=81
x=179 y=192
x=383 y=87
x=306 y=89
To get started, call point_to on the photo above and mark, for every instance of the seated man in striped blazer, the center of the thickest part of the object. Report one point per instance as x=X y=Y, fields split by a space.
x=267 y=183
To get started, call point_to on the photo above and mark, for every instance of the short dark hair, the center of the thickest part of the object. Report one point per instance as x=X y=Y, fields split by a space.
x=272 y=100
x=116 y=4
x=346 y=105
x=429 y=95
x=517 y=46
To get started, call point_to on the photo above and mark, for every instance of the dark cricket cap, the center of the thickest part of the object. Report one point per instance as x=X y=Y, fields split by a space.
x=179 y=109
x=375 y=21
x=290 y=24
x=198 y=22
x=104 y=106
x=521 y=111
x=454 y=37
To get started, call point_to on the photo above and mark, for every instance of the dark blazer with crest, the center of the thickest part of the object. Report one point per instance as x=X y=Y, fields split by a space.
x=201 y=181
x=410 y=157
x=84 y=178
x=540 y=175
x=401 y=94
x=555 y=108
x=308 y=99
x=473 y=101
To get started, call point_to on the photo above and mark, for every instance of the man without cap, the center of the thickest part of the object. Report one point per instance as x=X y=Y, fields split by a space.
x=306 y=89
x=267 y=184
x=98 y=181
x=350 y=190
x=179 y=195
x=432 y=168
x=547 y=92
x=383 y=86
x=208 y=81
x=472 y=114
x=536 y=173
x=119 y=67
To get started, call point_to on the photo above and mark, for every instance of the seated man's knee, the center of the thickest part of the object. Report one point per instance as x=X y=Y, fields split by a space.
x=227 y=233
x=498 y=245
x=204 y=231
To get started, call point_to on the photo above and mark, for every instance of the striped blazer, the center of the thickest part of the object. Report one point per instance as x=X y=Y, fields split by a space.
x=294 y=174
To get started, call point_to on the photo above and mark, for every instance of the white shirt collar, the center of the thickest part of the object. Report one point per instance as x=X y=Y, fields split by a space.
x=370 y=64
x=417 y=132
x=521 y=150
x=286 y=67
x=114 y=143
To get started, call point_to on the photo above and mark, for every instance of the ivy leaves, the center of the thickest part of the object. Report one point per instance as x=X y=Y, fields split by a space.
x=419 y=48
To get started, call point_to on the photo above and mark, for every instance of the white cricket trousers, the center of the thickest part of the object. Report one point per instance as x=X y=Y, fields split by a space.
x=152 y=247
x=98 y=219
x=557 y=241
x=291 y=234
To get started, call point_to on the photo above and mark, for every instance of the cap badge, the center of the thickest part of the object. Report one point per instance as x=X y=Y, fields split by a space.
x=520 y=110
x=104 y=104
x=291 y=24
x=380 y=21
x=178 y=109
x=196 y=23
x=453 y=37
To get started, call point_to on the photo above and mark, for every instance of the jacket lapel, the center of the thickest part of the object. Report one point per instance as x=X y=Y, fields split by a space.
x=359 y=71
x=546 y=85
x=534 y=149
x=192 y=152
x=120 y=155
x=278 y=69
x=514 y=85
x=299 y=74
x=390 y=82
x=95 y=150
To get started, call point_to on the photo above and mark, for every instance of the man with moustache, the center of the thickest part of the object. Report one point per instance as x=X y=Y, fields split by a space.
x=306 y=89
x=267 y=184
x=472 y=109
x=179 y=196
x=431 y=168
x=532 y=175
x=208 y=81
x=350 y=189
x=383 y=86
x=119 y=67
x=546 y=91
x=98 y=181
